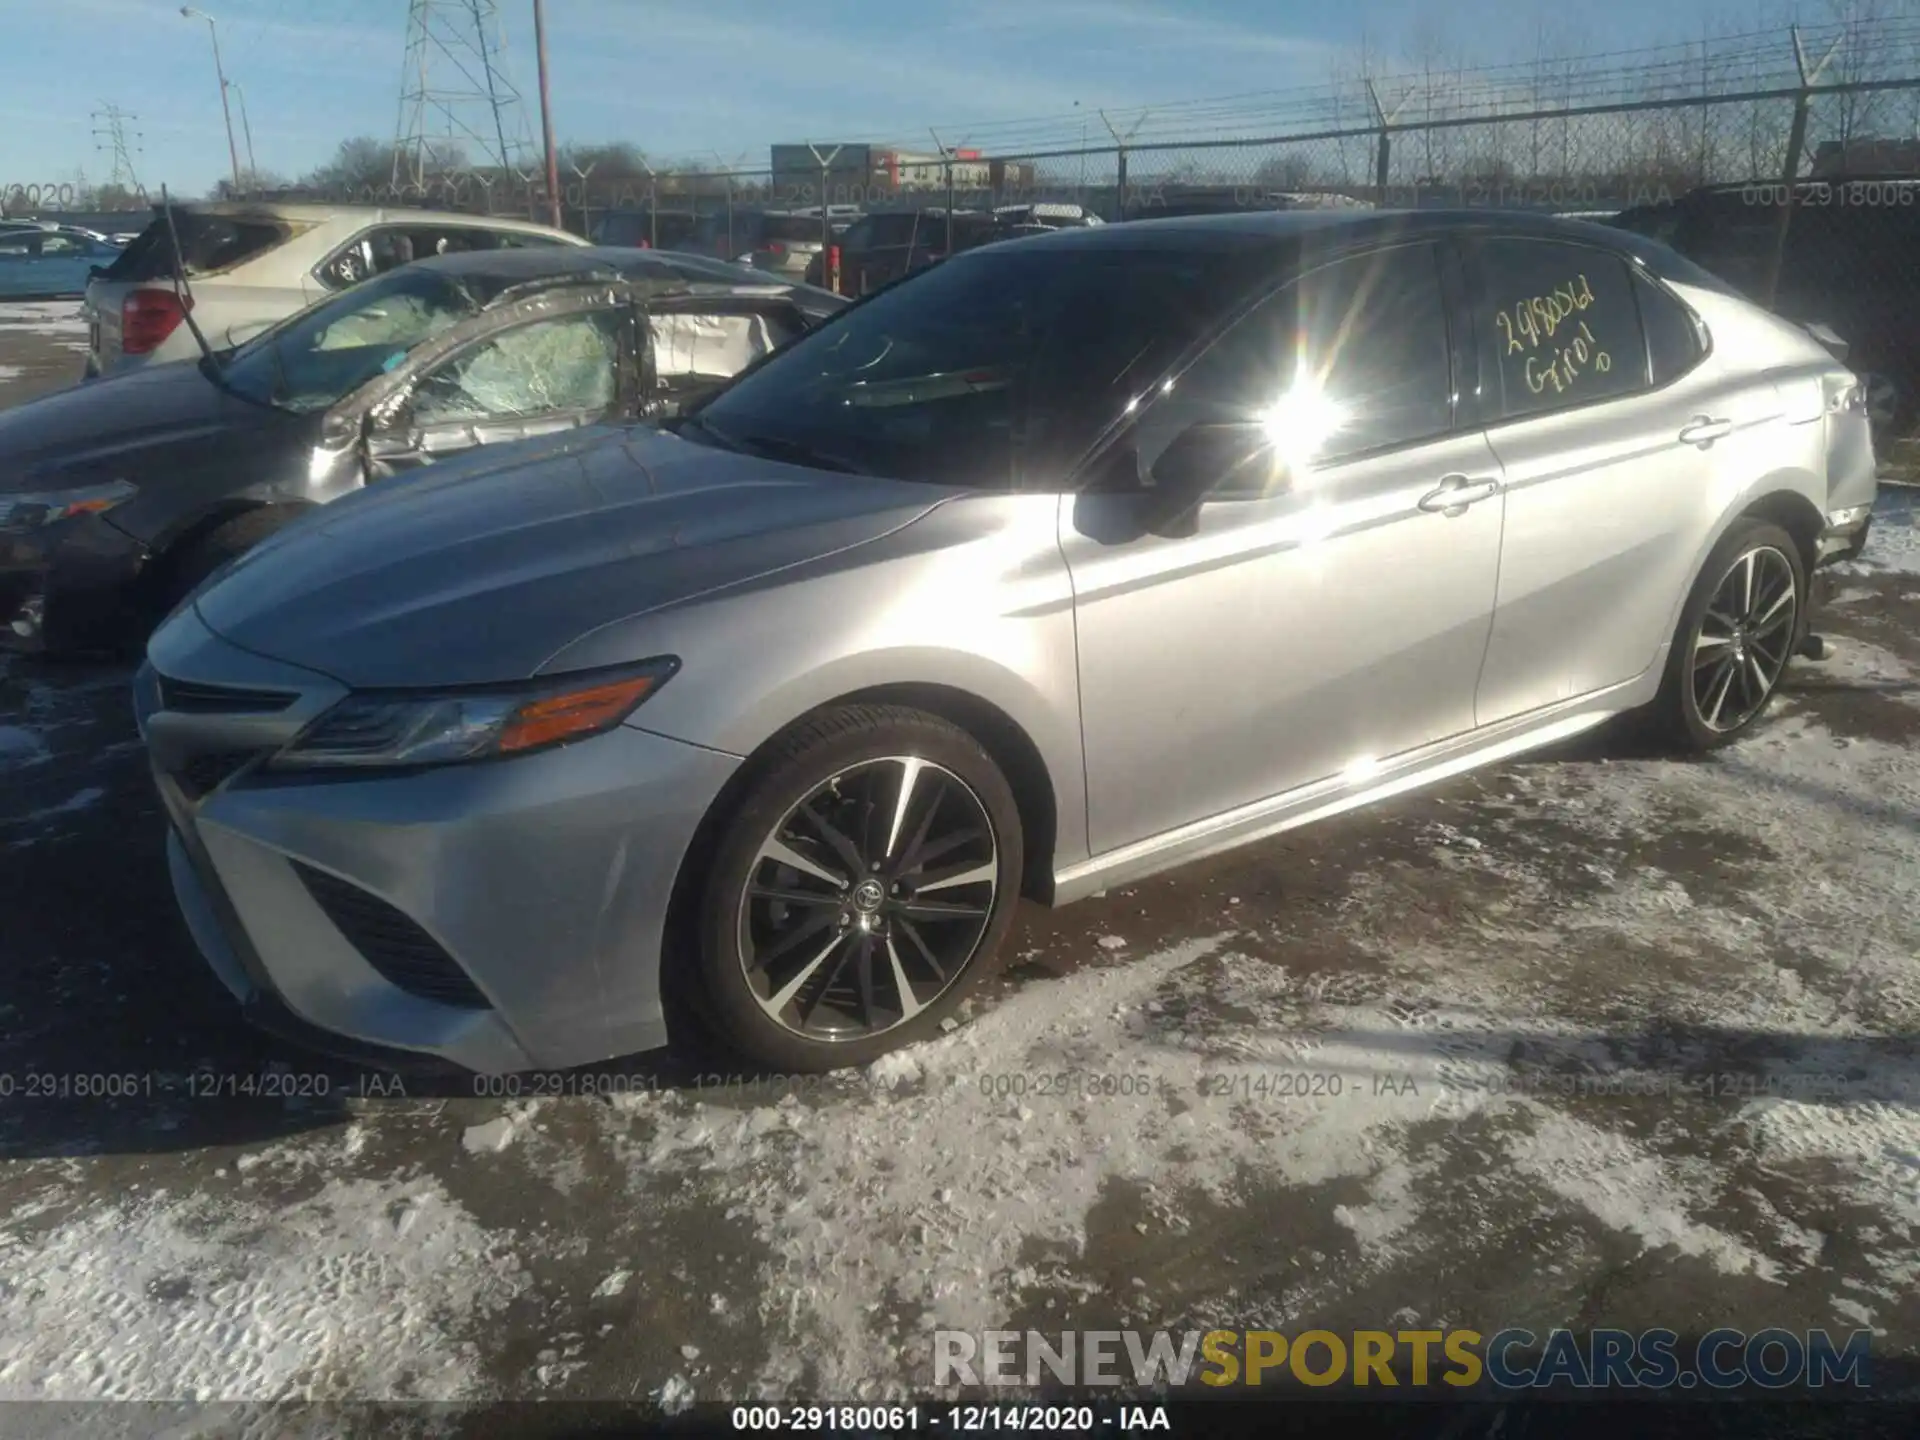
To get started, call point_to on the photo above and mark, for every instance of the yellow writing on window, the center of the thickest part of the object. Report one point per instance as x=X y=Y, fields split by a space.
x=1561 y=368
x=1531 y=322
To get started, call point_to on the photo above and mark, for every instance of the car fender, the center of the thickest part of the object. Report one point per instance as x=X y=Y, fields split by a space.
x=1792 y=482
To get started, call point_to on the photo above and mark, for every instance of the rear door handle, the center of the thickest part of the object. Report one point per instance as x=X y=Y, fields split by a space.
x=1703 y=430
x=1455 y=493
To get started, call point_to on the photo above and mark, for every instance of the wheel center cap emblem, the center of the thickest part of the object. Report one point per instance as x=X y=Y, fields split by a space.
x=868 y=896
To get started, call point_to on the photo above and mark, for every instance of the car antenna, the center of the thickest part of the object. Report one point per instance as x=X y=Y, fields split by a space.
x=183 y=294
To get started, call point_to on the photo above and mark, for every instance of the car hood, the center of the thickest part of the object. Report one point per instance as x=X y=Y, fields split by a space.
x=480 y=572
x=126 y=425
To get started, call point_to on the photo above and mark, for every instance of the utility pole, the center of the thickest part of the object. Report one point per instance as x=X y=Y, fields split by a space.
x=546 y=109
x=213 y=32
x=246 y=128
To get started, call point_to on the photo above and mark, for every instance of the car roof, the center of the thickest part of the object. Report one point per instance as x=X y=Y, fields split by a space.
x=1255 y=229
x=311 y=213
x=501 y=270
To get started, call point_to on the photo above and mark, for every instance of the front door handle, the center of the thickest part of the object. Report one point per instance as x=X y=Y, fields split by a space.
x=1703 y=430
x=1455 y=493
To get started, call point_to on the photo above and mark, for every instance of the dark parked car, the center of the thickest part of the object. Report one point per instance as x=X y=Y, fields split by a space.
x=1848 y=264
x=878 y=249
x=118 y=496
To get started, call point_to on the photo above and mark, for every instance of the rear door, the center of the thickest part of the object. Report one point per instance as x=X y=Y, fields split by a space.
x=1613 y=434
x=693 y=345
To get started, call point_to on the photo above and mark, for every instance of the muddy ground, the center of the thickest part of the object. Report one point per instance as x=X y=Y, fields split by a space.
x=1596 y=1038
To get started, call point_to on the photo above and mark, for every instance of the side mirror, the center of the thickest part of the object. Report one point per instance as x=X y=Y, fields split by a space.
x=1196 y=461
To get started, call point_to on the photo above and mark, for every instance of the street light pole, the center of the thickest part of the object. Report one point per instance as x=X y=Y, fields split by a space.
x=213 y=30
x=546 y=110
x=246 y=128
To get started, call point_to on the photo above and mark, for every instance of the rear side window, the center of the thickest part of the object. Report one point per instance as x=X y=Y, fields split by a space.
x=208 y=243
x=1563 y=325
x=1675 y=342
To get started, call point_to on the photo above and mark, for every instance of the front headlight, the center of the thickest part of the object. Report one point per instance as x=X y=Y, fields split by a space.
x=44 y=507
x=390 y=729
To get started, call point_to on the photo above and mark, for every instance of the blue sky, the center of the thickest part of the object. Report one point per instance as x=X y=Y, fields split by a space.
x=719 y=80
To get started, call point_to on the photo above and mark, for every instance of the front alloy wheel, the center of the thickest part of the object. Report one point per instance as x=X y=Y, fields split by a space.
x=859 y=888
x=868 y=899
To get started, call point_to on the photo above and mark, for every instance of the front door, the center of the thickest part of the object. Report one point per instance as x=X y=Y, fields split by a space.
x=1307 y=633
x=532 y=372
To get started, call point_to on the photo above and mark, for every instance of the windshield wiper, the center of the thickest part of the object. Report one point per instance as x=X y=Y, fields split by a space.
x=775 y=447
x=691 y=425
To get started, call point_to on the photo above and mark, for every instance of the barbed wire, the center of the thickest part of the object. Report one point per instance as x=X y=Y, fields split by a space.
x=1870 y=50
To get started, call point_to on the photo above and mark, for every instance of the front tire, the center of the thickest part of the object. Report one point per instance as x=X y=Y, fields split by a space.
x=859 y=891
x=1742 y=625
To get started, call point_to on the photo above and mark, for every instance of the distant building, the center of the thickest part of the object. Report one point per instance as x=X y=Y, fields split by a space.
x=861 y=174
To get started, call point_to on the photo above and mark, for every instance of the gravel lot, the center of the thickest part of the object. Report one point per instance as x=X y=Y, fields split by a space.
x=1737 y=938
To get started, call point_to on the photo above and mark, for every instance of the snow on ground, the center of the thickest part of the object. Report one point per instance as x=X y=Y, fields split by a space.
x=354 y=1292
x=60 y=318
x=1894 y=542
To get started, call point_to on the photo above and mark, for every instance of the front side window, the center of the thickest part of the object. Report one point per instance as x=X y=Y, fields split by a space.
x=1351 y=359
x=322 y=355
x=1561 y=323
x=996 y=370
x=568 y=363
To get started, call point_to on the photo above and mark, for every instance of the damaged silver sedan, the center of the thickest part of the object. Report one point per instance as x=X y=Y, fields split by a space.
x=119 y=497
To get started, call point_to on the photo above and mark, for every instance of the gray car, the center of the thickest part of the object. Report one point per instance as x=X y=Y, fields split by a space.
x=1064 y=562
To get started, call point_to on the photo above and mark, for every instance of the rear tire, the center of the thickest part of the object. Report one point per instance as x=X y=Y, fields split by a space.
x=859 y=891
x=1741 y=627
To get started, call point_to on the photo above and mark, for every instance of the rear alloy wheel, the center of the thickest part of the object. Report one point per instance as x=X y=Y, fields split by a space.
x=1744 y=622
x=860 y=890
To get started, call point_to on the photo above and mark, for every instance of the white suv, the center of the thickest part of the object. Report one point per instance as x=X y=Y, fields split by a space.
x=250 y=264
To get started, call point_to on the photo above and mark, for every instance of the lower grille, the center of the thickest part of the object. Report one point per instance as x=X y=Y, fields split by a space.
x=189 y=697
x=389 y=941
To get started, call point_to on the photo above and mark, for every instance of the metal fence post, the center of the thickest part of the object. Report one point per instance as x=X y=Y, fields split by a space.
x=826 y=219
x=1383 y=148
x=1796 y=147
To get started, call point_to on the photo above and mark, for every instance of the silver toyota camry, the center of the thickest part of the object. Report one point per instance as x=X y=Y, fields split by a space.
x=1061 y=563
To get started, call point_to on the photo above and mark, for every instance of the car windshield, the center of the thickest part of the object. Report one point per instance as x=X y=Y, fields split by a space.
x=995 y=370
x=320 y=356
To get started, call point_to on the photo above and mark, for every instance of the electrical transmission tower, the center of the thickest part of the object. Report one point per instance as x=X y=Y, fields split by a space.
x=110 y=138
x=457 y=105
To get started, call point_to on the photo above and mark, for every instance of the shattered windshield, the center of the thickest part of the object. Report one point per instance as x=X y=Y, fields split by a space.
x=324 y=354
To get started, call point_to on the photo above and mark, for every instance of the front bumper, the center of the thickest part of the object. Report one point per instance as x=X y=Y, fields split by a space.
x=1845 y=535
x=503 y=915
x=67 y=586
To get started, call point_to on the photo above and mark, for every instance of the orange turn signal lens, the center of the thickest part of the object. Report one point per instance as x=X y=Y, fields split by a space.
x=574 y=714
